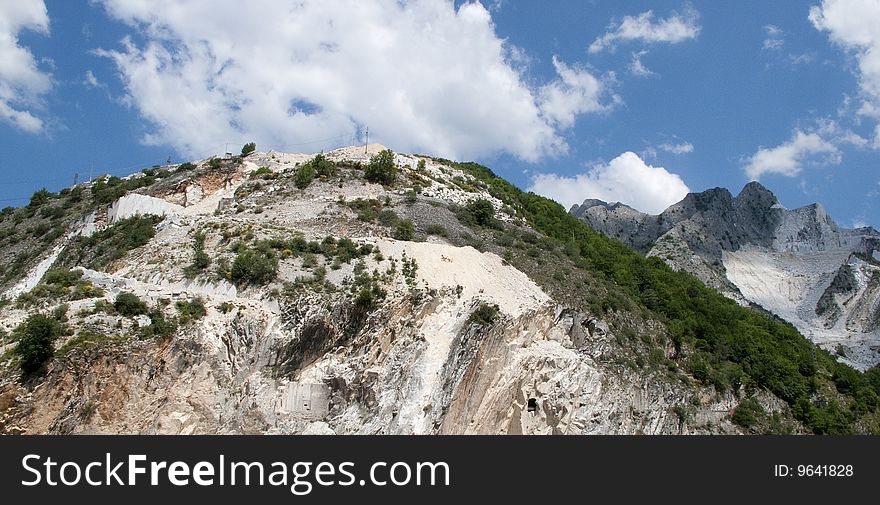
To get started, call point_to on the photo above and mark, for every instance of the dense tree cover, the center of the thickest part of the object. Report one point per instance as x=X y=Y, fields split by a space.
x=726 y=345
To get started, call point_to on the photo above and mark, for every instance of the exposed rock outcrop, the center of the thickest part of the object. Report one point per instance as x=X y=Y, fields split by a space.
x=798 y=264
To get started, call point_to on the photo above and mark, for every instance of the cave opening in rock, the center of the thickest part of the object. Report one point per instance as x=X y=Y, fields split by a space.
x=533 y=405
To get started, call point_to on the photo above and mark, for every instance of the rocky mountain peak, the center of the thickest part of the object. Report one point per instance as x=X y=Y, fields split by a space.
x=757 y=195
x=754 y=250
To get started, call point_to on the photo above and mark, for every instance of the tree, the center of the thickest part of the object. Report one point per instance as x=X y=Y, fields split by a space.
x=382 y=169
x=128 y=304
x=322 y=166
x=254 y=267
x=304 y=176
x=404 y=230
x=35 y=338
x=482 y=211
x=248 y=148
x=39 y=197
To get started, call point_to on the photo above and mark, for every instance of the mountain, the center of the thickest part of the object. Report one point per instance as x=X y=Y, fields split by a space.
x=371 y=292
x=798 y=264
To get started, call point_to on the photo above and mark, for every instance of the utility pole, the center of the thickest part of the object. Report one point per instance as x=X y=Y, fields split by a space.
x=91 y=167
x=367 y=140
x=75 y=178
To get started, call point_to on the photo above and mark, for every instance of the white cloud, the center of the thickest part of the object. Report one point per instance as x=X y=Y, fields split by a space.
x=673 y=29
x=423 y=75
x=788 y=158
x=637 y=67
x=626 y=179
x=774 y=38
x=681 y=148
x=853 y=24
x=574 y=92
x=773 y=31
x=90 y=81
x=22 y=83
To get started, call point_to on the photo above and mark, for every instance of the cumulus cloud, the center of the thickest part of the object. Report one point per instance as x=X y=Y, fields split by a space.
x=643 y=28
x=852 y=24
x=789 y=157
x=423 y=75
x=22 y=83
x=575 y=92
x=626 y=179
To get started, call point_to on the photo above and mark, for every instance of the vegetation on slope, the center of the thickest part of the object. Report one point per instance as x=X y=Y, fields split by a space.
x=110 y=244
x=719 y=342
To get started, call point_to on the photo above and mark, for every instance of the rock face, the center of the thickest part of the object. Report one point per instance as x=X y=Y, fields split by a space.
x=798 y=264
x=309 y=353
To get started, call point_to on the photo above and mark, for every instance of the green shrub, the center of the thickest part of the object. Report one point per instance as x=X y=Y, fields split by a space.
x=322 y=166
x=62 y=277
x=86 y=290
x=36 y=336
x=110 y=244
x=40 y=197
x=748 y=413
x=485 y=314
x=436 y=229
x=201 y=260
x=404 y=230
x=265 y=173
x=128 y=304
x=479 y=212
x=254 y=267
x=191 y=310
x=382 y=169
x=367 y=215
x=159 y=326
x=248 y=148
x=388 y=218
x=304 y=176
x=84 y=339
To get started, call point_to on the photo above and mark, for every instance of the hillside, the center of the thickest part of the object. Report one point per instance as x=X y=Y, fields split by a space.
x=364 y=291
x=797 y=264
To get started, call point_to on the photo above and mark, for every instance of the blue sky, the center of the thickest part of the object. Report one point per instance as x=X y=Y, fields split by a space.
x=623 y=100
